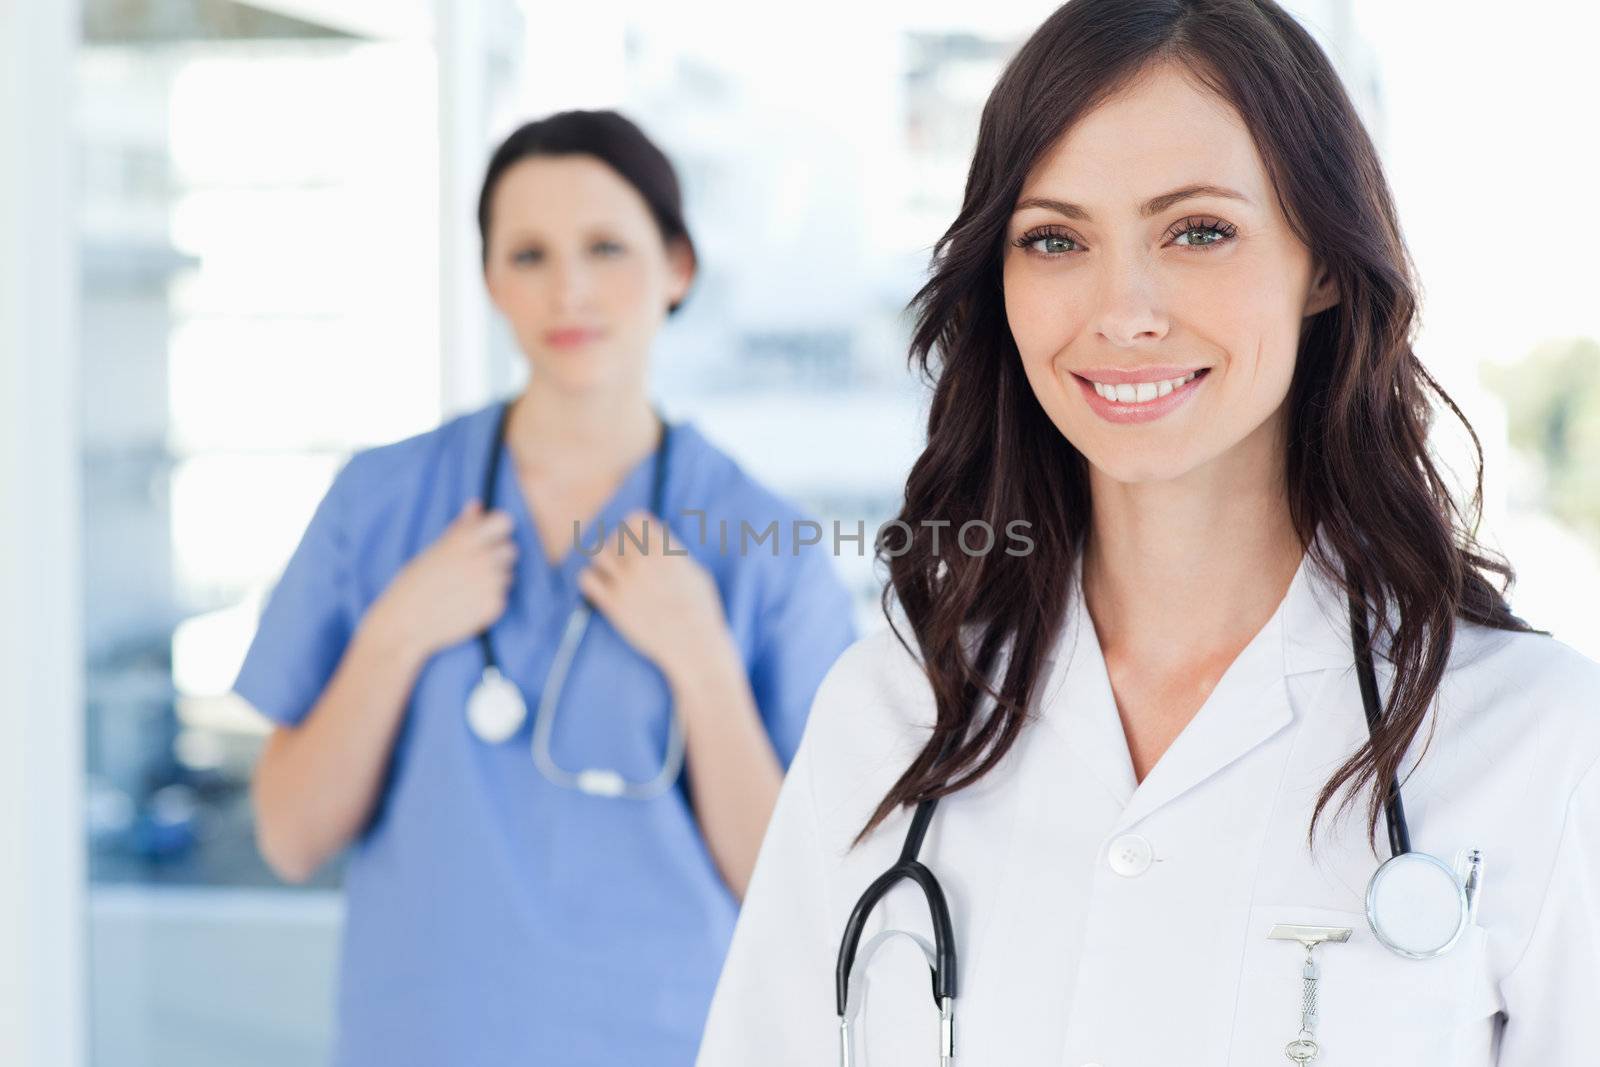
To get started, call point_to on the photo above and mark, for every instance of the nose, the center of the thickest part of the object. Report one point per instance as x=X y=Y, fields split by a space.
x=570 y=284
x=1129 y=309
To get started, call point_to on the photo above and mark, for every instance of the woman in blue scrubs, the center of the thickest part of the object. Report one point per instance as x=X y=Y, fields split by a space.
x=495 y=914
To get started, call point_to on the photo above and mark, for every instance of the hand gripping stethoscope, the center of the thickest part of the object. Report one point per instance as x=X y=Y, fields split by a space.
x=496 y=708
x=1417 y=905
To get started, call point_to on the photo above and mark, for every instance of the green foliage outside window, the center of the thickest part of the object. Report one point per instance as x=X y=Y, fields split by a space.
x=1552 y=398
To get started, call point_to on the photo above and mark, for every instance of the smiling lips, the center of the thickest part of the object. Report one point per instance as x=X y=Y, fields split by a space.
x=1140 y=395
x=1127 y=393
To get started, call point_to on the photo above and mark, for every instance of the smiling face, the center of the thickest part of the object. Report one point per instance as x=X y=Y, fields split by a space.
x=577 y=265
x=1122 y=267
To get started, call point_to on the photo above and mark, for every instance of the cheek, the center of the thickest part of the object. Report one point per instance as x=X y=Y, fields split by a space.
x=1043 y=312
x=511 y=289
x=524 y=297
x=631 y=289
x=523 y=304
x=1252 y=310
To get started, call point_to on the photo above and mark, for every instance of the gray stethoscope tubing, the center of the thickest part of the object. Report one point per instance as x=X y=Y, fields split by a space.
x=594 y=781
x=1401 y=864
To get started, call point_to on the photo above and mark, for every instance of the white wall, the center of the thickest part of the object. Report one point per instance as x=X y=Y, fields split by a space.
x=479 y=43
x=41 y=779
x=197 y=976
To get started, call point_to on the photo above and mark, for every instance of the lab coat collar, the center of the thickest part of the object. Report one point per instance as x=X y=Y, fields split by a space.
x=1316 y=619
x=1308 y=632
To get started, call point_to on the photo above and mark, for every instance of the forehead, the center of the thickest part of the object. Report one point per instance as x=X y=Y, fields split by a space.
x=565 y=192
x=1162 y=131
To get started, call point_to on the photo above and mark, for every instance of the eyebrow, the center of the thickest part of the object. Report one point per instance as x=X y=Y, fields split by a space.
x=598 y=230
x=1154 y=206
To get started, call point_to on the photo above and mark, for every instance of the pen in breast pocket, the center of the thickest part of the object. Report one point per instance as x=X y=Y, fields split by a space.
x=1471 y=879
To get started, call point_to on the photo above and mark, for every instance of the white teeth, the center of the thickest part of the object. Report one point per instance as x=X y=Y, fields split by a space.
x=1143 y=392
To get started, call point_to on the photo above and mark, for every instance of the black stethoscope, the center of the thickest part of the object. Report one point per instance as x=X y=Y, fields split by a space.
x=1405 y=897
x=496 y=708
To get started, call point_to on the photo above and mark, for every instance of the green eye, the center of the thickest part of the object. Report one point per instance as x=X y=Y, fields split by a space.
x=1203 y=233
x=1047 y=242
x=1200 y=235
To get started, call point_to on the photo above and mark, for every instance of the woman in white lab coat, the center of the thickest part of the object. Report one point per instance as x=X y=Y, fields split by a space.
x=1170 y=331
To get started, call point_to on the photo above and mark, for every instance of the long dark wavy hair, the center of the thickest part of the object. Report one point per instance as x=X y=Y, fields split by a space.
x=1359 y=403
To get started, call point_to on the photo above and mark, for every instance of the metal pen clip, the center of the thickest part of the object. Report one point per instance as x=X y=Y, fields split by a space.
x=1472 y=883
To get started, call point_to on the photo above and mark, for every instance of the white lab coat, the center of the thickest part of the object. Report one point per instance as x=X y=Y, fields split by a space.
x=1065 y=961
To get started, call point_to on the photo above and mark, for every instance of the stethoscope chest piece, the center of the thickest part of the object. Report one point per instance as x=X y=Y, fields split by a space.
x=1417 y=906
x=495 y=709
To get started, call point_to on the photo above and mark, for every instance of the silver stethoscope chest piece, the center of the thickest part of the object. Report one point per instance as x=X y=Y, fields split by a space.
x=495 y=709
x=1417 y=905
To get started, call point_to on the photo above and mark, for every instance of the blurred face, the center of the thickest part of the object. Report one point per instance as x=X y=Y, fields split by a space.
x=1154 y=288
x=577 y=265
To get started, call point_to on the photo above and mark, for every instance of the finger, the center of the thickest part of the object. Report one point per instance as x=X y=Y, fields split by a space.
x=504 y=554
x=637 y=530
x=605 y=561
x=595 y=586
x=646 y=533
x=463 y=518
x=647 y=530
x=493 y=526
x=658 y=535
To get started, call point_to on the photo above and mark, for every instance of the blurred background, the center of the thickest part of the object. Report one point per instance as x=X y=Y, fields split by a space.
x=238 y=244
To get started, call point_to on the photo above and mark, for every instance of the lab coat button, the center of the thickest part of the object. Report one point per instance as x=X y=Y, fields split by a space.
x=1130 y=857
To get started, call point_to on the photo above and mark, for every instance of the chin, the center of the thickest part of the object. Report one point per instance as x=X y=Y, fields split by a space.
x=570 y=380
x=1126 y=469
x=577 y=367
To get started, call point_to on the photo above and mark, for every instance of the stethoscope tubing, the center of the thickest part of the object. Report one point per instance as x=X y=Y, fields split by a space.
x=909 y=868
x=593 y=781
x=1393 y=809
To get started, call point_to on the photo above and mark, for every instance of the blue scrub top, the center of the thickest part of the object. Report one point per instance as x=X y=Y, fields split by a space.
x=492 y=917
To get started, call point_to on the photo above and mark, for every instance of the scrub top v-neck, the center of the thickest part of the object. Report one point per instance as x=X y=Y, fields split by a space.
x=492 y=916
x=510 y=497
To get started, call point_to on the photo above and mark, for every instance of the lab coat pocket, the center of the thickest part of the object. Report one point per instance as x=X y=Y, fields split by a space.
x=1374 y=1007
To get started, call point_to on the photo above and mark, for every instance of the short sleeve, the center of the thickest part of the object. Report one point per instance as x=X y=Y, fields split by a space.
x=309 y=617
x=1551 y=993
x=802 y=630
